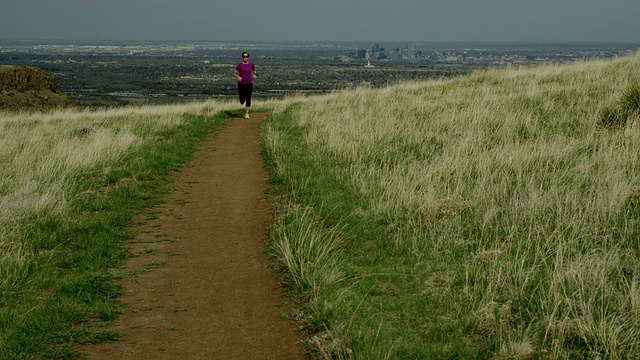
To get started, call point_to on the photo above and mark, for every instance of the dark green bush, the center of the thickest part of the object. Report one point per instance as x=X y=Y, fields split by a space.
x=629 y=105
x=613 y=117
x=630 y=101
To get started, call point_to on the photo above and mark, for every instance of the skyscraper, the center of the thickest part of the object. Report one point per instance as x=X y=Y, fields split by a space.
x=409 y=51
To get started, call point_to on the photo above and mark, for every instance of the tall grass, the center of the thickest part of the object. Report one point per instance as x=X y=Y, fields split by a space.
x=69 y=184
x=488 y=215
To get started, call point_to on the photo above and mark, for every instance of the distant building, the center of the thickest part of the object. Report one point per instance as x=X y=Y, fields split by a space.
x=410 y=51
x=395 y=54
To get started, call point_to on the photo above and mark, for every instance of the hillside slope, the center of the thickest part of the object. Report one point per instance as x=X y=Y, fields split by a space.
x=493 y=215
x=24 y=88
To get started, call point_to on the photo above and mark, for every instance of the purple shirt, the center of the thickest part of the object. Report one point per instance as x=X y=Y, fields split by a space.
x=246 y=72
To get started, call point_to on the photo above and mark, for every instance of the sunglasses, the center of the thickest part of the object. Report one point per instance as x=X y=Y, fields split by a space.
x=245 y=57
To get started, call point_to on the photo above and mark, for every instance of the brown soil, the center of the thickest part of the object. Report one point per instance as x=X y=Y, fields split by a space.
x=200 y=285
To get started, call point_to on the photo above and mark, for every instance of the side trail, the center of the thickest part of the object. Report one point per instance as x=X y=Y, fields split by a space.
x=201 y=286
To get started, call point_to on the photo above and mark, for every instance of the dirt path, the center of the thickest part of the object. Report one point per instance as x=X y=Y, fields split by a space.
x=203 y=288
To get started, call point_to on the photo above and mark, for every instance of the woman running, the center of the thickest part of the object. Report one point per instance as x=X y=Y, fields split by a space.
x=245 y=72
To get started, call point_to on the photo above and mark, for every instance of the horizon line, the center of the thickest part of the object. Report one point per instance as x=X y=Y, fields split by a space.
x=336 y=41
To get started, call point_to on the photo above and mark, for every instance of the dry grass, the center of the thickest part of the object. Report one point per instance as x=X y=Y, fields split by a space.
x=513 y=161
x=41 y=154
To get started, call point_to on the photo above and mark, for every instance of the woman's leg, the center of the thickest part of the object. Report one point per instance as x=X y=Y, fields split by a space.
x=242 y=93
x=249 y=92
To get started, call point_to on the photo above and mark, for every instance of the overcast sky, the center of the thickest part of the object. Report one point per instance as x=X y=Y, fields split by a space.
x=323 y=20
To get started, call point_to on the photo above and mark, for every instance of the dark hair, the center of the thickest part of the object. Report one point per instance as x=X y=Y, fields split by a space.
x=245 y=53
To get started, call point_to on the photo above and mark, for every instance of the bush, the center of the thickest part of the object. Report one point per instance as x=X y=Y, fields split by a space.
x=630 y=101
x=613 y=117
x=628 y=106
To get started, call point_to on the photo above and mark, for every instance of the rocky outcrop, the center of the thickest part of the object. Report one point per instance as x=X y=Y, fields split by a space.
x=25 y=88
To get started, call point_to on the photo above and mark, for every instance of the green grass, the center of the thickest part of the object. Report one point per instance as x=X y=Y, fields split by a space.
x=68 y=200
x=486 y=216
x=355 y=265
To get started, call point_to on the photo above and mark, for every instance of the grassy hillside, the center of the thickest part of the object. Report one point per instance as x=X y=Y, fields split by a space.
x=494 y=215
x=69 y=185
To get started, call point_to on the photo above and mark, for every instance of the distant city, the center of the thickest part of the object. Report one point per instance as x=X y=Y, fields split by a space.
x=104 y=73
x=480 y=53
x=494 y=54
x=381 y=53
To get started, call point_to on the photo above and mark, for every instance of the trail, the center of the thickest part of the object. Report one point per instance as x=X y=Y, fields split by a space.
x=200 y=284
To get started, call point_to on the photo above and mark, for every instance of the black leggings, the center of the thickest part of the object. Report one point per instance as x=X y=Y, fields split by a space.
x=245 y=91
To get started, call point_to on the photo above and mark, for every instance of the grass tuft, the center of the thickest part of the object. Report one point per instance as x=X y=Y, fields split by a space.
x=309 y=252
x=630 y=101
x=613 y=117
x=628 y=106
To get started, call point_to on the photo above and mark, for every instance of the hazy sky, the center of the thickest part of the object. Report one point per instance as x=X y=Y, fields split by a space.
x=323 y=20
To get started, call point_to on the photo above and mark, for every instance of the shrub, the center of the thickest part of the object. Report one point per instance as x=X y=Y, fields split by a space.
x=613 y=117
x=628 y=106
x=630 y=101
